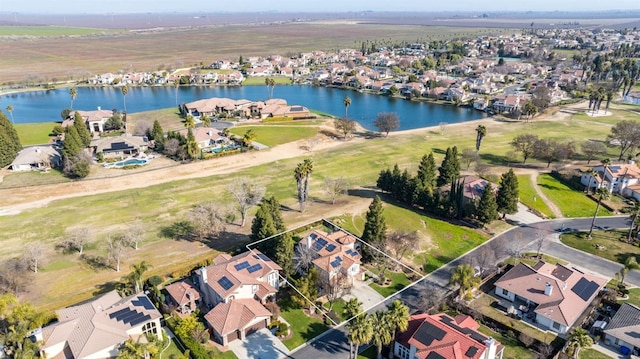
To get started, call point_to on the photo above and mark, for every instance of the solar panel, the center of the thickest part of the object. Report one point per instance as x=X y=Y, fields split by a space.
x=614 y=169
x=225 y=283
x=322 y=242
x=144 y=302
x=585 y=288
x=313 y=236
x=339 y=259
x=126 y=318
x=241 y=266
x=427 y=333
x=255 y=267
x=139 y=320
x=335 y=264
x=317 y=246
x=351 y=252
x=133 y=318
x=119 y=312
x=471 y=352
x=331 y=247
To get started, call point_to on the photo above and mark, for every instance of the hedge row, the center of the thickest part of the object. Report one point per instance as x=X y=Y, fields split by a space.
x=196 y=349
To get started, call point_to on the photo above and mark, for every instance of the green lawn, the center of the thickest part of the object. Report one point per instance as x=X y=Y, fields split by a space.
x=589 y=353
x=32 y=178
x=304 y=327
x=398 y=281
x=634 y=297
x=513 y=349
x=34 y=133
x=172 y=350
x=249 y=81
x=369 y=353
x=529 y=196
x=277 y=135
x=338 y=307
x=527 y=258
x=572 y=203
x=613 y=250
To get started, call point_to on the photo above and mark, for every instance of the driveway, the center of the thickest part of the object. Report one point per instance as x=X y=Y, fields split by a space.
x=259 y=345
x=365 y=294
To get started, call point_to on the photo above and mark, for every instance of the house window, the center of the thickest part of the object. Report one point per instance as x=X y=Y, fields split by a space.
x=504 y=291
x=403 y=352
x=556 y=325
x=150 y=328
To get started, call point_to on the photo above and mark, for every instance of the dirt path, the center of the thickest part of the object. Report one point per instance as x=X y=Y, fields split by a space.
x=552 y=206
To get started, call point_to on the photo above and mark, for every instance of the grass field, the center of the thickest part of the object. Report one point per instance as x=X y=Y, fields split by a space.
x=634 y=297
x=304 y=328
x=32 y=178
x=169 y=118
x=614 y=249
x=34 y=133
x=529 y=196
x=588 y=353
x=251 y=81
x=48 y=31
x=572 y=203
x=513 y=349
x=277 y=135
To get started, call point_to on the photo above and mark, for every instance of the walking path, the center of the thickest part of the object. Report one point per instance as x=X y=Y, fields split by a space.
x=543 y=197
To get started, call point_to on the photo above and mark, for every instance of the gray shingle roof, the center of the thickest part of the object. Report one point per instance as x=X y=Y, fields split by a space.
x=625 y=325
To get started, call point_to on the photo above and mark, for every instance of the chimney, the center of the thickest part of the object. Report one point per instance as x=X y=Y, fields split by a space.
x=203 y=272
x=491 y=345
x=548 y=289
x=99 y=108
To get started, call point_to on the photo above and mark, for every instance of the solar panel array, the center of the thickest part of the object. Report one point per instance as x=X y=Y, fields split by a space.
x=120 y=146
x=241 y=266
x=336 y=262
x=143 y=301
x=614 y=169
x=585 y=288
x=331 y=247
x=351 y=252
x=130 y=316
x=225 y=283
x=319 y=244
x=255 y=267
x=428 y=332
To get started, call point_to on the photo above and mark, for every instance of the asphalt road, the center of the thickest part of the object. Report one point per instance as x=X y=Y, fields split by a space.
x=334 y=344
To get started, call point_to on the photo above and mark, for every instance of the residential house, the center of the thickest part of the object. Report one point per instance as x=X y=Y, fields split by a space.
x=622 y=179
x=473 y=188
x=94 y=120
x=552 y=296
x=97 y=328
x=207 y=137
x=119 y=147
x=236 y=289
x=623 y=331
x=36 y=158
x=334 y=253
x=440 y=336
x=507 y=103
x=183 y=297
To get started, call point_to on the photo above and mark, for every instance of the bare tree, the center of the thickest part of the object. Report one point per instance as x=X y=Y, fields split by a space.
x=345 y=126
x=77 y=238
x=303 y=257
x=134 y=234
x=515 y=247
x=469 y=156
x=335 y=187
x=172 y=147
x=400 y=242
x=247 y=194
x=34 y=254
x=15 y=275
x=116 y=247
x=208 y=220
x=387 y=122
x=335 y=287
x=142 y=129
x=484 y=259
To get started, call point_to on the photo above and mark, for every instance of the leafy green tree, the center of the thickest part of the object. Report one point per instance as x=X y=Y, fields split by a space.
x=302 y=174
x=360 y=333
x=579 y=338
x=529 y=109
x=9 y=141
x=592 y=149
x=450 y=167
x=375 y=228
x=602 y=193
x=64 y=114
x=508 y=193
x=114 y=123
x=524 y=143
x=72 y=142
x=138 y=349
x=487 y=206
x=629 y=264
x=83 y=131
x=285 y=253
x=427 y=171
x=157 y=135
x=308 y=287
x=464 y=277
x=267 y=222
x=481 y=132
x=634 y=212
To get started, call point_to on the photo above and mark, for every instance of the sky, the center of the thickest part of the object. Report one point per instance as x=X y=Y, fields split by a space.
x=190 y=6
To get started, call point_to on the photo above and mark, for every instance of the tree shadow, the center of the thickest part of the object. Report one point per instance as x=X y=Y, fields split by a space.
x=178 y=230
x=364 y=192
x=104 y=288
x=94 y=262
x=494 y=159
x=334 y=342
x=548 y=186
x=439 y=151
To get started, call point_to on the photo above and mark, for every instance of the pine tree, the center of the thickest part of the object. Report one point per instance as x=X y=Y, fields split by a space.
x=284 y=254
x=507 y=200
x=450 y=168
x=487 y=207
x=276 y=214
x=72 y=142
x=268 y=222
x=9 y=141
x=427 y=171
x=83 y=131
x=157 y=135
x=375 y=229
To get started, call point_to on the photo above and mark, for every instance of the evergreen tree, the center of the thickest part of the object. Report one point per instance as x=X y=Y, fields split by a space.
x=450 y=168
x=157 y=135
x=427 y=171
x=268 y=222
x=487 y=207
x=191 y=145
x=384 y=180
x=507 y=200
x=9 y=141
x=276 y=214
x=284 y=254
x=72 y=143
x=83 y=131
x=375 y=229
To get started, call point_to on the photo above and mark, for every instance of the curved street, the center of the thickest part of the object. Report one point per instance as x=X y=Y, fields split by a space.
x=333 y=343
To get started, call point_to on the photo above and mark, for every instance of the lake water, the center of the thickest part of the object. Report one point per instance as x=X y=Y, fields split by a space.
x=45 y=106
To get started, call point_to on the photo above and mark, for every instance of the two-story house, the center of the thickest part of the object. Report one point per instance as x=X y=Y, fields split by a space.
x=95 y=120
x=623 y=179
x=334 y=253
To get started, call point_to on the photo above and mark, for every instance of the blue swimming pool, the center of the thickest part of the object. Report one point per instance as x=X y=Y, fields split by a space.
x=131 y=162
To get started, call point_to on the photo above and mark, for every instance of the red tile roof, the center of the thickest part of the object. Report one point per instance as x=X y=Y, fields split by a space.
x=237 y=314
x=183 y=292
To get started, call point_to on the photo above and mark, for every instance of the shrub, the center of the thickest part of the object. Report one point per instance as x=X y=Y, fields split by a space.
x=332 y=315
x=277 y=119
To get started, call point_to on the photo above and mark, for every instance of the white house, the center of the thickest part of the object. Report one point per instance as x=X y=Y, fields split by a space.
x=621 y=179
x=334 y=253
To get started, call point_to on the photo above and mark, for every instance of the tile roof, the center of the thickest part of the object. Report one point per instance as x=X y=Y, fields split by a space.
x=99 y=324
x=625 y=324
x=333 y=250
x=568 y=298
x=183 y=292
x=235 y=315
x=441 y=336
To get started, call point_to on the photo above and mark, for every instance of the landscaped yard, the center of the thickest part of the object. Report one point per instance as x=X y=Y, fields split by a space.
x=529 y=259
x=338 y=308
x=34 y=133
x=398 y=281
x=277 y=135
x=529 y=196
x=612 y=248
x=369 y=353
x=634 y=297
x=572 y=203
x=513 y=349
x=172 y=350
x=588 y=353
x=303 y=327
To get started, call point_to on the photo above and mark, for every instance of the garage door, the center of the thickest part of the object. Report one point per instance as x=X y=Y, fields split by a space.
x=254 y=328
x=233 y=336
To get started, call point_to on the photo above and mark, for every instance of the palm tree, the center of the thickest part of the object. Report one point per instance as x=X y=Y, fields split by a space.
x=398 y=317
x=176 y=84
x=125 y=91
x=592 y=175
x=10 y=109
x=464 y=276
x=271 y=85
x=634 y=212
x=629 y=264
x=360 y=332
x=383 y=329
x=248 y=137
x=602 y=193
x=579 y=338
x=74 y=94
x=347 y=103
x=352 y=308
x=189 y=122
x=138 y=271
x=481 y=131
x=302 y=174
x=206 y=120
